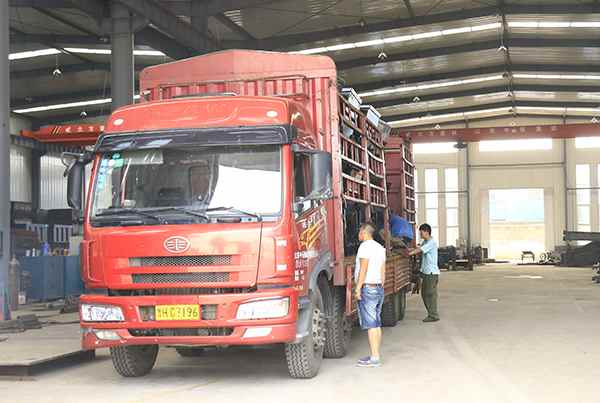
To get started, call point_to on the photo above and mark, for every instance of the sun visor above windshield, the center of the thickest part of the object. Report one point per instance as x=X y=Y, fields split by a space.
x=197 y=138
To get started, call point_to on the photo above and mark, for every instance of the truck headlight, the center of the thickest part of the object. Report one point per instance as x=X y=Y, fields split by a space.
x=265 y=309
x=101 y=313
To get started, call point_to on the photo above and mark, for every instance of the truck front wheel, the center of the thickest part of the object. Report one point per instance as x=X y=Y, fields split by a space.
x=134 y=361
x=304 y=358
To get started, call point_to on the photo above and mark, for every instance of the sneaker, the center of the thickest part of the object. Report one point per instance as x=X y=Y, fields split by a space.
x=368 y=362
x=430 y=319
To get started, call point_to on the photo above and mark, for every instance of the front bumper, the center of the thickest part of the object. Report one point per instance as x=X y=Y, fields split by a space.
x=225 y=328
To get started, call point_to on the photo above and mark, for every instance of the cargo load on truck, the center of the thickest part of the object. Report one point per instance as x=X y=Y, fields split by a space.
x=223 y=209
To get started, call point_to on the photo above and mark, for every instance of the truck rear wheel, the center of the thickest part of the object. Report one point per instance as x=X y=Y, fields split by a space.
x=190 y=351
x=339 y=326
x=389 y=311
x=134 y=361
x=304 y=358
x=401 y=304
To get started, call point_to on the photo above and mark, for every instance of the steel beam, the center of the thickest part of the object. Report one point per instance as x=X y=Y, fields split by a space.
x=427 y=126
x=409 y=8
x=223 y=19
x=4 y=157
x=499 y=133
x=122 y=72
x=159 y=41
x=458 y=74
x=469 y=47
x=503 y=104
x=485 y=91
x=169 y=23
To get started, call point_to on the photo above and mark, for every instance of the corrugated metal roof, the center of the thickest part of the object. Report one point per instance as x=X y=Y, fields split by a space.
x=283 y=18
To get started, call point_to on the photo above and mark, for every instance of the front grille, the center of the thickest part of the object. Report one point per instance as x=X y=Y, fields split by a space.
x=175 y=278
x=179 y=291
x=190 y=261
x=166 y=332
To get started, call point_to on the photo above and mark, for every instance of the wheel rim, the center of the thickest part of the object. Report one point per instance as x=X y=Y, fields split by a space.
x=318 y=329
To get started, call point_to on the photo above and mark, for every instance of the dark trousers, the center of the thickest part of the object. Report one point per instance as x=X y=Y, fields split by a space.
x=429 y=292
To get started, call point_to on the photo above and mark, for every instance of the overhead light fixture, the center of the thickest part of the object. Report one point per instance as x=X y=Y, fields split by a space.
x=401 y=38
x=68 y=105
x=382 y=56
x=429 y=86
x=33 y=53
x=416 y=99
x=554 y=24
x=57 y=73
x=556 y=76
x=52 y=51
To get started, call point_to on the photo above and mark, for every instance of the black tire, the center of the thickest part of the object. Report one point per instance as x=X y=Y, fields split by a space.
x=304 y=358
x=134 y=361
x=389 y=313
x=401 y=304
x=339 y=326
x=190 y=351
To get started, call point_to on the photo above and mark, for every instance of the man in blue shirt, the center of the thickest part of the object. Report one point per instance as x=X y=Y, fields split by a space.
x=430 y=272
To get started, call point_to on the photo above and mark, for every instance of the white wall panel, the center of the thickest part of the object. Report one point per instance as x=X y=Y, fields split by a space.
x=20 y=174
x=53 y=187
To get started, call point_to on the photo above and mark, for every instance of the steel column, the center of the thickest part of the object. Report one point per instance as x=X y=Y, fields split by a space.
x=199 y=20
x=122 y=63
x=4 y=158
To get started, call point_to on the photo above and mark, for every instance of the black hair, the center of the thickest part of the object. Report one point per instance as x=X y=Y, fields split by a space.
x=426 y=228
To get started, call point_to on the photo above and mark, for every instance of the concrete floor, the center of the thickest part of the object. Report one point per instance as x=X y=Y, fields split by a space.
x=502 y=338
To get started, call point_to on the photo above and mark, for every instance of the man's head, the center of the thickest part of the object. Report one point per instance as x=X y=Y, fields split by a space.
x=425 y=231
x=366 y=232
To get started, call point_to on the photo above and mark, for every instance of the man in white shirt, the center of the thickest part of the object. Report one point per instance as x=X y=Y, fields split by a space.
x=370 y=277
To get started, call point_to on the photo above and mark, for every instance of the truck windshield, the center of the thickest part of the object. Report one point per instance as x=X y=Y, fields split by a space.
x=195 y=183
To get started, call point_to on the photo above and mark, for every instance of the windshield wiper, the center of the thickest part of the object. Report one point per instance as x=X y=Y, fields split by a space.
x=180 y=210
x=236 y=211
x=120 y=211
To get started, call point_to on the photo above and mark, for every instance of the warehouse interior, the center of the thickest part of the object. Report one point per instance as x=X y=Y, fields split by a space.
x=491 y=107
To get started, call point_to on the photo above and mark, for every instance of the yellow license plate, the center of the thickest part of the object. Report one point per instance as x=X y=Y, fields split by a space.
x=177 y=312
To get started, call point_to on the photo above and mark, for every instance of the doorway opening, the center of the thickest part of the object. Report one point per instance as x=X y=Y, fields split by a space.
x=516 y=223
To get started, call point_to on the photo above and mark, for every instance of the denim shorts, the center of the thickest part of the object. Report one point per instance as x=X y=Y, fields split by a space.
x=369 y=307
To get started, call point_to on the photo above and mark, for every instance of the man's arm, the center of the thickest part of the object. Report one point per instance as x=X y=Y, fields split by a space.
x=364 y=264
x=415 y=251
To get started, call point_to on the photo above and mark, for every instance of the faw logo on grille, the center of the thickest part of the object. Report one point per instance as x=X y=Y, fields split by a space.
x=176 y=244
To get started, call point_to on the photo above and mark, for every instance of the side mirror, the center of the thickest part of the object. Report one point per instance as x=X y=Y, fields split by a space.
x=75 y=185
x=75 y=173
x=321 y=175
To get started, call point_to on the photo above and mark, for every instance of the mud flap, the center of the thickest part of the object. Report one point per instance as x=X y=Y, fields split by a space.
x=303 y=324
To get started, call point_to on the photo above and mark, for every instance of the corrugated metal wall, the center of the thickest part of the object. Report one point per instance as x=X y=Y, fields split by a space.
x=20 y=173
x=53 y=187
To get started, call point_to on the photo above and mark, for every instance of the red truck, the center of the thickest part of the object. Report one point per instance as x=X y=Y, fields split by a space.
x=223 y=209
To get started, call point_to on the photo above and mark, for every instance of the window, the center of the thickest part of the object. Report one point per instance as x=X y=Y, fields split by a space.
x=177 y=180
x=431 y=200
x=587 y=142
x=434 y=148
x=302 y=176
x=416 y=184
x=516 y=145
x=452 y=232
x=583 y=196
